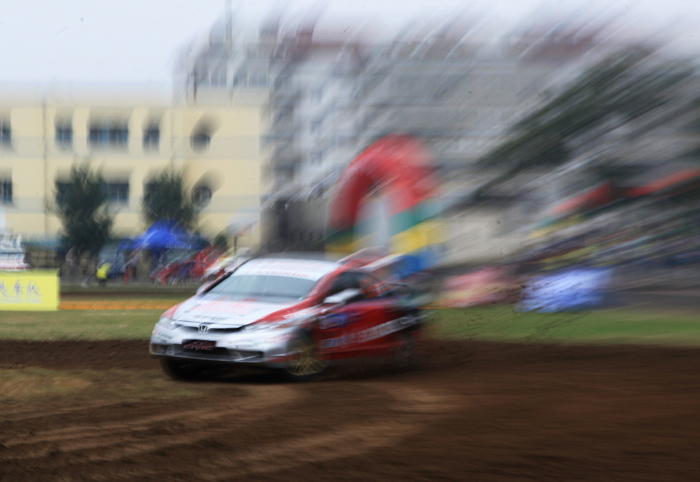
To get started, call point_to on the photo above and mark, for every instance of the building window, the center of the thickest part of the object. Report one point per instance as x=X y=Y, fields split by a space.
x=64 y=135
x=5 y=132
x=109 y=135
x=218 y=77
x=5 y=191
x=201 y=196
x=251 y=79
x=258 y=79
x=117 y=192
x=200 y=141
x=151 y=138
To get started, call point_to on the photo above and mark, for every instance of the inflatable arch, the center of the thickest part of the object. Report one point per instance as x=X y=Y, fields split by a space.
x=399 y=167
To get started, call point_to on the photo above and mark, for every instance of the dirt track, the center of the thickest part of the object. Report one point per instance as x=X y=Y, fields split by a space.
x=481 y=412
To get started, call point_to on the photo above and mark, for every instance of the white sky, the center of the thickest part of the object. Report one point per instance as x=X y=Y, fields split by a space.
x=54 y=42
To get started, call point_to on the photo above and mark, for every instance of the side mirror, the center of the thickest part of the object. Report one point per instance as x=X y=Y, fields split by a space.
x=346 y=296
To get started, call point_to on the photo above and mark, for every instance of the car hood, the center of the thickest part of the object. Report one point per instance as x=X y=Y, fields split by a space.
x=227 y=310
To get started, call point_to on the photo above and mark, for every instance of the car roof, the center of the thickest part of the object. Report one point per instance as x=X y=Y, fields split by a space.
x=310 y=255
x=294 y=268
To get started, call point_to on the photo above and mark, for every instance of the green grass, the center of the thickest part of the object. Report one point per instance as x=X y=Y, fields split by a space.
x=94 y=324
x=629 y=325
x=493 y=323
x=78 y=324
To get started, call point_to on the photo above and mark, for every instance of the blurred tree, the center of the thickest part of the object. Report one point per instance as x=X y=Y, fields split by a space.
x=165 y=197
x=81 y=205
x=608 y=95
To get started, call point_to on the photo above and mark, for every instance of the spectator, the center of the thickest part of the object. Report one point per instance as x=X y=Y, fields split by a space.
x=70 y=263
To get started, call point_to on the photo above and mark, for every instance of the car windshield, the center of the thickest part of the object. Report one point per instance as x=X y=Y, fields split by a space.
x=281 y=288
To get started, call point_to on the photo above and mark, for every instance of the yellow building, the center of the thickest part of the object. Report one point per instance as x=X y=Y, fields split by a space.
x=217 y=146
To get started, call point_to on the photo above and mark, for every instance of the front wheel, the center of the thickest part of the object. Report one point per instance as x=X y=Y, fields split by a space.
x=304 y=363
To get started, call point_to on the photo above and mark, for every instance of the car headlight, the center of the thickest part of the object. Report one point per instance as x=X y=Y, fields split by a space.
x=168 y=323
x=166 y=319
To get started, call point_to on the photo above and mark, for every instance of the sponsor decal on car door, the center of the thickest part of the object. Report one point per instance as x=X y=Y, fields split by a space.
x=357 y=327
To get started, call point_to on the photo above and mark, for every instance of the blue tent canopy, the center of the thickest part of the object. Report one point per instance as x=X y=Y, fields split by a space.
x=165 y=234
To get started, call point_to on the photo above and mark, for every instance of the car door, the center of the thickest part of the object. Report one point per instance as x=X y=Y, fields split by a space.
x=359 y=328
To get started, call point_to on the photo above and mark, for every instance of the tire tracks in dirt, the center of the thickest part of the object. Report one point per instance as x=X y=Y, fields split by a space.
x=516 y=412
x=123 y=439
x=351 y=439
x=24 y=413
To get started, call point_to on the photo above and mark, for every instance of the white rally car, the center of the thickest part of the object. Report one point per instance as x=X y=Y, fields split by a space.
x=295 y=315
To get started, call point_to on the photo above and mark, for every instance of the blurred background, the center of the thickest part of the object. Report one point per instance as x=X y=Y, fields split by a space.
x=559 y=137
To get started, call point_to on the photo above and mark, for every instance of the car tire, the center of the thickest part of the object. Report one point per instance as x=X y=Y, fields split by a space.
x=405 y=357
x=307 y=365
x=181 y=369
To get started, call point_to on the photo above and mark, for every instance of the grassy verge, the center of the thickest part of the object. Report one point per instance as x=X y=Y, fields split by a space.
x=95 y=324
x=493 y=323
x=78 y=324
x=629 y=325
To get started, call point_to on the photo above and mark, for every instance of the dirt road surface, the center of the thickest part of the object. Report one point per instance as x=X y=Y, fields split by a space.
x=474 y=411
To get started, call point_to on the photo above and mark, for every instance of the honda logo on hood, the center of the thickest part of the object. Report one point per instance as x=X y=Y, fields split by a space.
x=203 y=328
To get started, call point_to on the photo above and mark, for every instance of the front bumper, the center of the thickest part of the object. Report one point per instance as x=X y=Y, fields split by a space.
x=265 y=350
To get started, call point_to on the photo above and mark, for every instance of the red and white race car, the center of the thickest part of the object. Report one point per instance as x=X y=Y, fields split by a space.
x=295 y=315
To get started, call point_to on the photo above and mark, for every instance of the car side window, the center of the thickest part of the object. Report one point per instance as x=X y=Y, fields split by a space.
x=365 y=282
x=369 y=285
x=344 y=281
